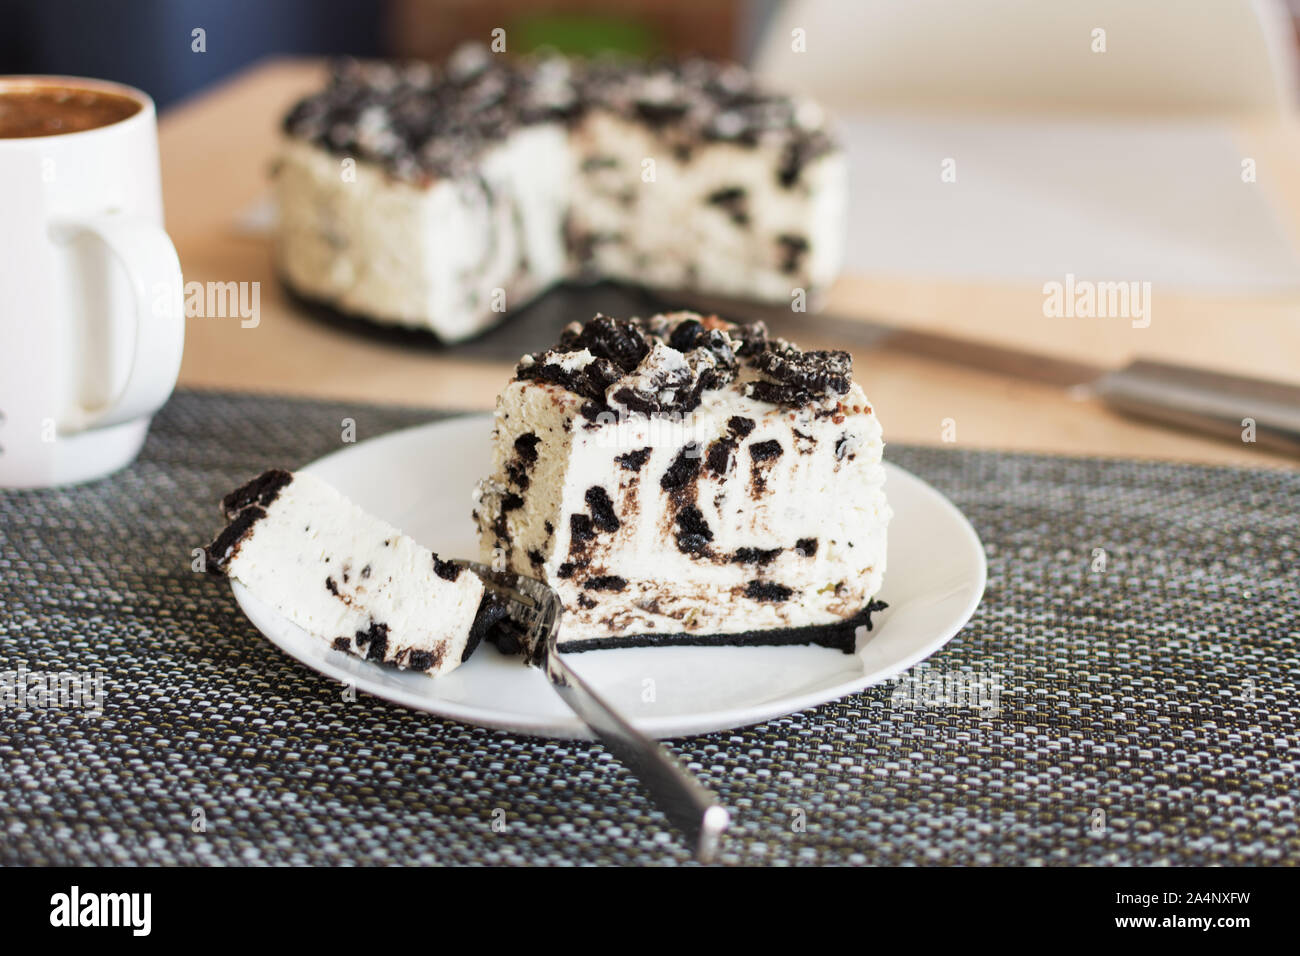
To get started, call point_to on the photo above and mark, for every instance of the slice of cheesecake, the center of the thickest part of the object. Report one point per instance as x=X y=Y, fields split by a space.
x=681 y=479
x=346 y=576
x=443 y=198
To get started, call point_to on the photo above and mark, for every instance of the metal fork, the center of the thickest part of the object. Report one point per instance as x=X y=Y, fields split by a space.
x=535 y=609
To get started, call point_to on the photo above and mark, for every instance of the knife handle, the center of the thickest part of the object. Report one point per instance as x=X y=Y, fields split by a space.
x=1226 y=406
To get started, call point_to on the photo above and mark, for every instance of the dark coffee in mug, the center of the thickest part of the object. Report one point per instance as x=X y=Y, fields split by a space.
x=52 y=110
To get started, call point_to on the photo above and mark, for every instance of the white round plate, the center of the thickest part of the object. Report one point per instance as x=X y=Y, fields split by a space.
x=420 y=480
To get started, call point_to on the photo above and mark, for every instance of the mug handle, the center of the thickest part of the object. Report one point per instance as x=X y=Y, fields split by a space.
x=149 y=258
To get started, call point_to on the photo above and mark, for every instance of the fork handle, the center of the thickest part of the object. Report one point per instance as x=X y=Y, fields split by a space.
x=689 y=806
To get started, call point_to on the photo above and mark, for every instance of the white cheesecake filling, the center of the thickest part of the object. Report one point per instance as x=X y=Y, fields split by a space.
x=717 y=219
x=452 y=257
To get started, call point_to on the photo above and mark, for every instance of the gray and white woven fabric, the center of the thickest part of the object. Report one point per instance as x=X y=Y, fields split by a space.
x=1126 y=693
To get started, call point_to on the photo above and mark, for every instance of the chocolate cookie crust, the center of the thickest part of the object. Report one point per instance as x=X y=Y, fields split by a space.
x=841 y=635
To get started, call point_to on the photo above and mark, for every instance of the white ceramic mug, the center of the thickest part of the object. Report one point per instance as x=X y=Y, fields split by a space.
x=88 y=348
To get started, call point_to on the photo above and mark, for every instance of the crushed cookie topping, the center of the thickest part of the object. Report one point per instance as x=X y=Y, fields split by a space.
x=421 y=121
x=663 y=365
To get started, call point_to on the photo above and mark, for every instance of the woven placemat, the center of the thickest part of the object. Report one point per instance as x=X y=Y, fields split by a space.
x=1126 y=693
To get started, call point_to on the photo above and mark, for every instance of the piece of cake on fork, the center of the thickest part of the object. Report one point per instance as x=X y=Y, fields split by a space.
x=685 y=480
x=346 y=576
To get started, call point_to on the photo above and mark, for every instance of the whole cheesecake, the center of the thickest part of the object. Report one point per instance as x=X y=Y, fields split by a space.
x=442 y=198
x=685 y=480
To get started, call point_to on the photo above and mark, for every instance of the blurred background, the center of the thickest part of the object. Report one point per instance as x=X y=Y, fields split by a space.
x=126 y=40
x=1084 y=122
x=1216 y=54
x=994 y=146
